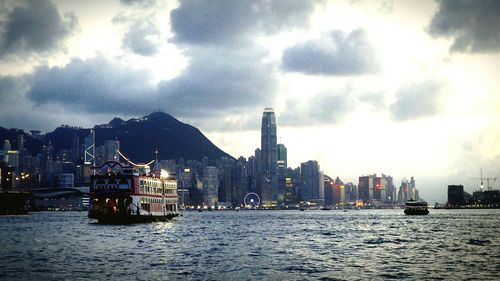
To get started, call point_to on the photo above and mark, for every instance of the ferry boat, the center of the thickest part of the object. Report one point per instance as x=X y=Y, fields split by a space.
x=413 y=207
x=131 y=193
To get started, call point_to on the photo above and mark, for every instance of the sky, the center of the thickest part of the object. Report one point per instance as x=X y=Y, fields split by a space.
x=404 y=88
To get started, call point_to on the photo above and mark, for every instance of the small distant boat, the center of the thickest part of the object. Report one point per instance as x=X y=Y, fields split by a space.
x=413 y=207
x=302 y=209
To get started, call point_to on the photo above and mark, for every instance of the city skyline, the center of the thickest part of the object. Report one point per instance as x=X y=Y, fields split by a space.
x=402 y=88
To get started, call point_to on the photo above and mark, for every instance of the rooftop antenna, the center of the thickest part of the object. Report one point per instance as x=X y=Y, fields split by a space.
x=488 y=186
x=482 y=185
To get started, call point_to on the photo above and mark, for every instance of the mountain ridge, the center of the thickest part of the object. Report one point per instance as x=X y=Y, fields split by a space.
x=139 y=138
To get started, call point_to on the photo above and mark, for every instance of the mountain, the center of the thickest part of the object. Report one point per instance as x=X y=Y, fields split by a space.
x=139 y=138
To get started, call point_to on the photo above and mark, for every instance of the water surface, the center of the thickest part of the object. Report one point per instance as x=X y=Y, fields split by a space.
x=255 y=245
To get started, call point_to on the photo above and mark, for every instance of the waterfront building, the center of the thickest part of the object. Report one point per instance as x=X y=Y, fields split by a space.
x=365 y=188
x=408 y=190
x=486 y=198
x=225 y=191
x=379 y=187
x=282 y=155
x=252 y=174
x=7 y=176
x=292 y=183
x=312 y=183
x=351 y=192
x=328 y=185
x=210 y=186
x=390 y=189
x=239 y=182
x=339 y=192
x=413 y=190
x=282 y=170
x=458 y=198
x=456 y=195
x=375 y=189
x=269 y=158
x=403 y=191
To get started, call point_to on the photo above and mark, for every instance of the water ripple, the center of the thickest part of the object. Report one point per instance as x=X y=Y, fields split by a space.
x=255 y=245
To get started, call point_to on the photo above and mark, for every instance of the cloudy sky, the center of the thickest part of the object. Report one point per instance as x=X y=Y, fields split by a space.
x=406 y=88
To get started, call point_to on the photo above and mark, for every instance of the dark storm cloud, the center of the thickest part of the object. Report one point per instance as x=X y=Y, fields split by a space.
x=319 y=110
x=335 y=53
x=142 y=38
x=217 y=83
x=35 y=27
x=416 y=101
x=474 y=25
x=16 y=111
x=97 y=85
x=218 y=80
x=231 y=21
x=11 y=91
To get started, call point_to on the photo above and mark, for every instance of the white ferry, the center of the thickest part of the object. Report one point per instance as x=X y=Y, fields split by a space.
x=121 y=194
x=413 y=207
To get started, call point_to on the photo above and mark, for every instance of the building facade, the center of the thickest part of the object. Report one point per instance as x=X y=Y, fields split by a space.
x=210 y=186
x=312 y=183
x=269 y=158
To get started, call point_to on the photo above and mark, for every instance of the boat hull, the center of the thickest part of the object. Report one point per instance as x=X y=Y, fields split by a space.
x=130 y=219
x=414 y=212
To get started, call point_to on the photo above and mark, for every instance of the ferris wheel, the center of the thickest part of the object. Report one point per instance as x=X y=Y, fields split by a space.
x=251 y=200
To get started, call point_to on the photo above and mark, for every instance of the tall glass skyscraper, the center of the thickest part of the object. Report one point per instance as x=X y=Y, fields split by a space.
x=269 y=157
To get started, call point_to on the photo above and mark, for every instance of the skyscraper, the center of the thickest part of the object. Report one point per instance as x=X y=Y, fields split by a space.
x=269 y=157
x=312 y=182
x=210 y=186
x=282 y=158
x=282 y=166
x=110 y=150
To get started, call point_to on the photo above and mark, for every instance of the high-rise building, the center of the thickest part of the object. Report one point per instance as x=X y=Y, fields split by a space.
x=210 y=186
x=455 y=195
x=282 y=158
x=312 y=183
x=225 y=191
x=269 y=158
x=282 y=166
x=239 y=180
x=366 y=185
x=89 y=148
x=407 y=190
x=373 y=188
x=111 y=148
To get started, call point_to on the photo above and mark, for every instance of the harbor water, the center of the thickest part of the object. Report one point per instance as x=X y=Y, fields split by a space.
x=255 y=245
